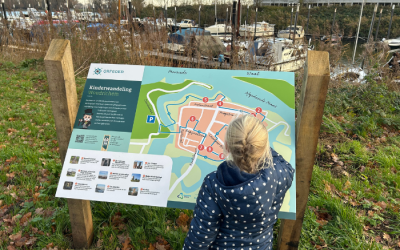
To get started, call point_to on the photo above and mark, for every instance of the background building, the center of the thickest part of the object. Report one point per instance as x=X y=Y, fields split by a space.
x=325 y=2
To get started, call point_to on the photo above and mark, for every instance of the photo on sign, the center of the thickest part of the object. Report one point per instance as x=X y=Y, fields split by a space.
x=100 y=188
x=68 y=185
x=105 y=162
x=135 y=178
x=104 y=145
x=138 y=165
x=103 y=175
x=74 y=160
x=71 y=172
x=133 y=191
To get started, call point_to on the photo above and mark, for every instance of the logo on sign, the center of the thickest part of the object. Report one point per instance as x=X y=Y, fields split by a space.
x=97 y=71
x=151 y=118
x=180 y=196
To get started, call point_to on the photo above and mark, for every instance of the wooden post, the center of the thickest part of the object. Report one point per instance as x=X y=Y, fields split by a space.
x=308 y=123
x=62 y=88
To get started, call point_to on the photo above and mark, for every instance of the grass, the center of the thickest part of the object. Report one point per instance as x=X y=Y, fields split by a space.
x=354 y=200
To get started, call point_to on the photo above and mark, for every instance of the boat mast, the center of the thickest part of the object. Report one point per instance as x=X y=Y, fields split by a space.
x=358 y=31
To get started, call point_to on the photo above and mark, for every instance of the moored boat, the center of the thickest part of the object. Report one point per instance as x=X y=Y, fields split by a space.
x=260 y=29
x=290 y=33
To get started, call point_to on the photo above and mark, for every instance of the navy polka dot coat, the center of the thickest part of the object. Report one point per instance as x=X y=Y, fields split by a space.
x=237 y=210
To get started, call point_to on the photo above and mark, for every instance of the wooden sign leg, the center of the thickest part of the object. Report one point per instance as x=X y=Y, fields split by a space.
x=64 y=101
x=308 y=124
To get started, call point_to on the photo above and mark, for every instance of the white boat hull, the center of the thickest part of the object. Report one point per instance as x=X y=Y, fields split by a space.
x=286 y=35
x=257 y=34
x=219 y=30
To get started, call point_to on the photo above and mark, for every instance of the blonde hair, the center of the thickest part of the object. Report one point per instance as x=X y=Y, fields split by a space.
x=247 y=145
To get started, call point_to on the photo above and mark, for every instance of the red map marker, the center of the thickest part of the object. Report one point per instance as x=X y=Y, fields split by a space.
x=200 y=147
x=220 y=103
x=209 y=149
x=205 y=99
x=192 y=118
x=221 y=156
x=258 y=110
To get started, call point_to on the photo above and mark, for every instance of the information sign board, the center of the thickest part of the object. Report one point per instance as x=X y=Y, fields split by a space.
x=149 y=135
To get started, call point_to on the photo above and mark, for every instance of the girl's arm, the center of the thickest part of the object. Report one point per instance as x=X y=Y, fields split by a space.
x=285 y=173
x=206 y=218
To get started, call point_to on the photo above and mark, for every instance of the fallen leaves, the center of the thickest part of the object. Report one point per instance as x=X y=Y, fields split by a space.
x=11 y=131
x=183 y=222
x=39 y=211
x=335 y=158
x=118 y=222
x=10 y=175
x=347 y=185
x=50 y=246
x=386 y=237
x=320 y=244
x=381 y=204
x=162 y=244
x=323 y=217
x=328 y=188
x=182 y=219
x=124 y=240
x=31 y=241
x=126 y=245
x=25 y=218
x=15 y=237
x=12 y=159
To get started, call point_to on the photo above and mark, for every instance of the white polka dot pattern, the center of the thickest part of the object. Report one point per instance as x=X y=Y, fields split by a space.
x=241 y=216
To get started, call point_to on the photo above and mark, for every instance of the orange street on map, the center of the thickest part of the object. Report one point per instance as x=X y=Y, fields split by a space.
x=203 y=124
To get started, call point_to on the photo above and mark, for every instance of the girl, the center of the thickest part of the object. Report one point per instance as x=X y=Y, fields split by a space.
x=238 y=204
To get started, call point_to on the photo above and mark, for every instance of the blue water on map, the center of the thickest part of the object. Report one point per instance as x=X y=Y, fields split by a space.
x=234 y=90
x=157 y=147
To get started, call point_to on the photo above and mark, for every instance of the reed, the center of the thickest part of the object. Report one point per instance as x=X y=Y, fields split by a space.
x=144 y=44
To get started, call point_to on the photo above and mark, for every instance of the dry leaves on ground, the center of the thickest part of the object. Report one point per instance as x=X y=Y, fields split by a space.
x=323 y=217
x=183 y=222
x=161 y=244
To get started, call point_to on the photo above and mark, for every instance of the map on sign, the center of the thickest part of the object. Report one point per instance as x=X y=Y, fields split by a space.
x=184 y=114
x=150 y=135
